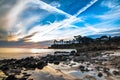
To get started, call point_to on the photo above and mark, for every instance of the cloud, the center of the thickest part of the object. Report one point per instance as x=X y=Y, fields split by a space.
x=105 y=28
x=17 y=26
x=27 y=38
x=112 y=14
x=50 y=8
x=28 y=17
x=72 y=19
x=15 y=12
x=5 y=6
x=109 y=20
x=9 y=12
x=112 y=32
x=27 y=21
x=110 y=4
x=21 y=44
x=46 y=29
x=55 y=4
x=14 y=23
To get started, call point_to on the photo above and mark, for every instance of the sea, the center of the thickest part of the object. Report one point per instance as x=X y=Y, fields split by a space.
x=47 y=73
x=18 y=53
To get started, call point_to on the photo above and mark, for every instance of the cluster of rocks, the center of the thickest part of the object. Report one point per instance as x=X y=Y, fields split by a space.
x=13 y=67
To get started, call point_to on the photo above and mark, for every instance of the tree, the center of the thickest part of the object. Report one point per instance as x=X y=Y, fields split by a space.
x=104 y=37
x=78 y=38
x=86 y=40
x=62 y=41
x=55 y=41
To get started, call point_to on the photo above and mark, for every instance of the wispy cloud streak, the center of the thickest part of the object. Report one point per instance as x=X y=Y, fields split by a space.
x=70 y=20
x=50 y=8
x=64 y=23
x=15 y=12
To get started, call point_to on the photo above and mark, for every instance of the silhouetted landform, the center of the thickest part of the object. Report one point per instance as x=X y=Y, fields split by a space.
x=88 y=44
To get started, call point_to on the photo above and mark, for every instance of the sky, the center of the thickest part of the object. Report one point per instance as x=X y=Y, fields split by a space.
x=34 y=23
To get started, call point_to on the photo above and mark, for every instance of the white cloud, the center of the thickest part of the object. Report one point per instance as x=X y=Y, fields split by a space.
x=22 y=25
x=108 y=19
x=110 y=3
x=55 y=4
x=86 y=7
x=67 y=32
x=18 y=26
x=113 y=14
x=91 y=28
x=44 y=32
x=72 y=19
x=14 y=13
x=114 y=11
x=103 y=27
x=53 y=29
x=49 y=8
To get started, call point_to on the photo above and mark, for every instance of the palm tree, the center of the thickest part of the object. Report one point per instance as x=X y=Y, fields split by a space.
x=62 y=41
x=78 y=38
x=55 y=41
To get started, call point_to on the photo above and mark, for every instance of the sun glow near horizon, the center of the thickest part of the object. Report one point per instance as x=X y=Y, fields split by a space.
x=35 y=50
x=35 y=21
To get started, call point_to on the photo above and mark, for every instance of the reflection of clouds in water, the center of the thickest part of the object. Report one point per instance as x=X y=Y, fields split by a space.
x=43 y=75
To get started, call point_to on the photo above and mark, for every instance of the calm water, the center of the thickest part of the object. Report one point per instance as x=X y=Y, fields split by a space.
x=7 y=53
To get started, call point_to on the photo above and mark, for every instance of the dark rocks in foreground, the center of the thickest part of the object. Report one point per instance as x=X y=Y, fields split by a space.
x=11 y=77
x=12 y=67
x=15 y=66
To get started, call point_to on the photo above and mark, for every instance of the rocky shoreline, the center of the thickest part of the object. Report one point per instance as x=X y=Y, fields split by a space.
x=102 y=61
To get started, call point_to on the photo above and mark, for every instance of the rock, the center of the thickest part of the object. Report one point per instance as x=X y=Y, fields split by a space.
x=23 y=79
x=116 y=72
x=41 y=64
x=82 y=68
x=100 y=74
x=72 y=53
x=2 y=74
x=11 y=77
x=89 y=77
x=56 y=62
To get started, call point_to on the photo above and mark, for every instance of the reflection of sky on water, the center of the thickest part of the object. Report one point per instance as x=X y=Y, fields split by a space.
x=74 y=71
x=81 y=75
x=43 y=74
x=25 y=52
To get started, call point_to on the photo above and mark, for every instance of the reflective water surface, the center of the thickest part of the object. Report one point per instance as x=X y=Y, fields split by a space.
x=7 y=53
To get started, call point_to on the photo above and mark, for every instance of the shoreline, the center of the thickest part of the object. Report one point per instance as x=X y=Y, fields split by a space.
x=100 y=60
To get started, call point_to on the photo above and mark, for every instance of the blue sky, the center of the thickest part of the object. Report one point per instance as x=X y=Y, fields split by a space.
x=57 y=19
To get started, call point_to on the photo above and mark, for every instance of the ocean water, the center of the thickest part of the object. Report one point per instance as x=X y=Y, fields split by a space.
x=17 y=53
x=47 y=73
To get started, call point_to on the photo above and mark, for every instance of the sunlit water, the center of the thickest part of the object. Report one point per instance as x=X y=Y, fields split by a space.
x=7 y=53
x=17 y=53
